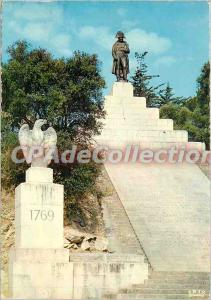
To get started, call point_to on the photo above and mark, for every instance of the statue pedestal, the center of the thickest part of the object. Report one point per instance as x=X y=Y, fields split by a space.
x=122 y=89
x=39 y=211
x=39 y=263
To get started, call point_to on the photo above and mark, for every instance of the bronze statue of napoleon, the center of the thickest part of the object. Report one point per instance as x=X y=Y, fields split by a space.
x=120 y=51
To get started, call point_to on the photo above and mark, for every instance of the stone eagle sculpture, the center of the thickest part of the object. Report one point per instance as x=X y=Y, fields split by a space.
x=37 y=145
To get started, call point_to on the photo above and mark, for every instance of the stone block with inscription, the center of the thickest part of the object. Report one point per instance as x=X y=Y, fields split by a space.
x=39 y=264
x=39 y=211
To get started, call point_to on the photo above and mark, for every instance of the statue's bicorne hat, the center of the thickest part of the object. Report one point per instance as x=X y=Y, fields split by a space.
x=120 y=34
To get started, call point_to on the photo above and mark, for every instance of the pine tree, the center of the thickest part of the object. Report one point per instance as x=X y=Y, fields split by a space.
x=142 y=82
x=203 y=91
x=190 y=114
x=167 y=95
x=201 y=116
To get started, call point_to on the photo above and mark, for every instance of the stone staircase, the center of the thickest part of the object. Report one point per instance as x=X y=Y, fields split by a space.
x=120 y=234
x=128 y=120
x=168 y=285
x=167 y=205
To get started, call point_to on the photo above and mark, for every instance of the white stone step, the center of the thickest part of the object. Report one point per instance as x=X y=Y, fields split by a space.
x=157 y=291
x=149 y=145
x=127 y=102
x=184 y=276
x=144 y=142
x=159 y=297
x=112 y=99
x=139 y=124
x=144 y=113
x=124 y=107
x=148 y=127
x=145 y=133
x=197 y=284
x=135 y=136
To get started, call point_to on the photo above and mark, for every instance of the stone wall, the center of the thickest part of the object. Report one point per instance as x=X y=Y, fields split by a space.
x=53 y=274
x=98 y=274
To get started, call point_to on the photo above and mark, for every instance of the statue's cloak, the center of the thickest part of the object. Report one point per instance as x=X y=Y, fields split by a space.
x=117 y=59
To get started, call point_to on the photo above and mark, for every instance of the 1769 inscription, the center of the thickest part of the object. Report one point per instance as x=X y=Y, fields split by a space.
x=41 y=214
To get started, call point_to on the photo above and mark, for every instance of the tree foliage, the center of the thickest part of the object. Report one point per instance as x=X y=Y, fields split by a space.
x=167 y=95
x=65 y=91
x=141 y=81
x=193 y=113
x=203 y=91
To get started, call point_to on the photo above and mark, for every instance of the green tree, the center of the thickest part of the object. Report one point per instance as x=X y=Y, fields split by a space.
x=202 y=111
x=191 y=103
x=199 y=105
x=192 y=114
x=141 y=81
x=203 y=91
x=65 y=91
x=169 y=111
x=167 y=95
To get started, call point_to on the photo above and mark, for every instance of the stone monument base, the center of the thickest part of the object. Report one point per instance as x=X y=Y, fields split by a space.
x=53 y=274
x=40 y=274
x=39 y=266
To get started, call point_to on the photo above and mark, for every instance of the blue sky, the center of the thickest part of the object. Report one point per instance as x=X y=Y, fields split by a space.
x=174 y=33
